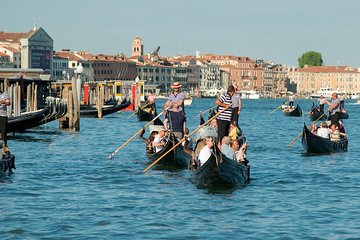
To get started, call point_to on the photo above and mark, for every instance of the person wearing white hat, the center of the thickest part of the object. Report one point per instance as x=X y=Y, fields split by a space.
x=176 y=97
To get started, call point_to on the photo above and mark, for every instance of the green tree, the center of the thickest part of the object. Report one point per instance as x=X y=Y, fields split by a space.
x=310 y=58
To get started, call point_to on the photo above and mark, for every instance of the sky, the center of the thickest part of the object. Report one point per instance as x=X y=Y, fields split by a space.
x=279 y=31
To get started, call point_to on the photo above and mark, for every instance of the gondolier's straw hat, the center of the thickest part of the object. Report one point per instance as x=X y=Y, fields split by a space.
x=176 y=85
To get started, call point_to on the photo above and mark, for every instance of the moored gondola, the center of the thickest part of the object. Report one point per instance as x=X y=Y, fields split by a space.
x=296 y=112
x=92 y=111
x=316 y=144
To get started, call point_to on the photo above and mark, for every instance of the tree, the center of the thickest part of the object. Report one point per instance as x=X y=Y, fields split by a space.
x=310 y=58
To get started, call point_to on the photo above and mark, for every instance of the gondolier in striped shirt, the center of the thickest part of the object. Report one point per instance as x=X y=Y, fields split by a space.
x=224 y=118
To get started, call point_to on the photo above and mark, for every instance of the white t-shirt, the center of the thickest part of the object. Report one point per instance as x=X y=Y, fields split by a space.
x=158 y=139
x=204 y=155
x=323 y=132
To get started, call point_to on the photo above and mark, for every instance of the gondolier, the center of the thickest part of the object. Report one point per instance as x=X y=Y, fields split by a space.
x=176 y=97
x=224 y=118
x=334 y=109
x=322 y=101
x=4 y=102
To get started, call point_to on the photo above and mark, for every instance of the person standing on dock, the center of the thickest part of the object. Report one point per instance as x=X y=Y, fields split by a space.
x=4 y=102
x=224 y=118
x=176 y=97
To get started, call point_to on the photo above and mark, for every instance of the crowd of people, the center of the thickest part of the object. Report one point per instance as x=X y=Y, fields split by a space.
x=225 y=125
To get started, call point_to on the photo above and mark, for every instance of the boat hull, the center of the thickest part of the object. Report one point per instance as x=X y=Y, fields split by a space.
x=318 y=145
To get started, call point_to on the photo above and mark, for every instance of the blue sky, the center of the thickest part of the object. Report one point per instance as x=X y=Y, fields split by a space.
x=279 y=31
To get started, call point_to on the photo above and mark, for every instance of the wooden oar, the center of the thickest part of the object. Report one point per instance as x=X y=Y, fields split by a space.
x=141 y=108
x=307 y=127
x=205 y=111
x=278 y=107
x=111 y=155
x=157 y=160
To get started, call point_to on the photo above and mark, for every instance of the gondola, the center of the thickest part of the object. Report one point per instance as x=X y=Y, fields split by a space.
x=7 y=163
x=316 y=144
x=92 y=111
x=27 y=120
x=343 y=115
x=146 y=114
x=219 y=168
x=293 y=113
x=177 y=157
x=316 y=114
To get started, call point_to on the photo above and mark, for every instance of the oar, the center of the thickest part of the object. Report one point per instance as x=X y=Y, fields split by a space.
x=111 y=155
x=161 y=157
x=307 y=127
x=205 y=111
x=140 y=108
x=278 y=107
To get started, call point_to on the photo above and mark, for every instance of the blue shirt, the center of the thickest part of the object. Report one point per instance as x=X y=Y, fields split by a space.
x=337 y=109
x=228 y=151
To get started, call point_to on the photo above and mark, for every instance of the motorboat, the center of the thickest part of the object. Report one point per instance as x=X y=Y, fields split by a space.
x=249 y=94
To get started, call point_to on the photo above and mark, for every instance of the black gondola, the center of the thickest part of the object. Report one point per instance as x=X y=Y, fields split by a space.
x=293 y=113
x=316 y=114
x=218 y=168
x=316 y=144
x=7 y=163
x=177 y=157
x=92 y=111
x=27 y=120
x=146 y=114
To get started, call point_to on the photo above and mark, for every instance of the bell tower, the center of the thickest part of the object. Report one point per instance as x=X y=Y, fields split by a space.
x=137 y=47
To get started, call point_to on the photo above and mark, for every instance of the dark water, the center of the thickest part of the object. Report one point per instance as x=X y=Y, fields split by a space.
x=64 y=186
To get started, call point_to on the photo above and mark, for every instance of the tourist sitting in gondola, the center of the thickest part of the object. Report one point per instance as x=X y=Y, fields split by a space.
x=160 y=140
x=206 y=151
x=7 y=161
x=149 y=141
x=234 y=132
x=226 y=149
x=336 y=134
x=241 y=154
x=323 y=131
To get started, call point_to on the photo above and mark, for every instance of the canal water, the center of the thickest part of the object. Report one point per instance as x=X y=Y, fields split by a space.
x=64 y=186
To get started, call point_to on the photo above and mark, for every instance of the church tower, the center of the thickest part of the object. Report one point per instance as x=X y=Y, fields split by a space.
x=137 y=47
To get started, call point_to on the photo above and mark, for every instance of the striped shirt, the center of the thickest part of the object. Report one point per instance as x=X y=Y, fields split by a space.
x=226 y=115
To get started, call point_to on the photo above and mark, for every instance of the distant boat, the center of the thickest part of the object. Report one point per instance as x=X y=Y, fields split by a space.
x=249 y=94
x=212 y=93
x=188 y=101
x=325 y=92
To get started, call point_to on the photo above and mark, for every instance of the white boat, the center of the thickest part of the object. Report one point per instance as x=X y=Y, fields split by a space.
x=188 y=101
x=249 y=94
x=211 y=93
x=325 y=92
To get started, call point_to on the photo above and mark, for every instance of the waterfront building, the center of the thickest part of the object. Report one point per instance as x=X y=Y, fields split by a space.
x=310 y=79
x=60 y=68
x=35 y=47
x=274 y=80
x=14 y=56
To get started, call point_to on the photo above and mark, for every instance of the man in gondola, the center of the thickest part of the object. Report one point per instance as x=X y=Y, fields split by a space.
x=176 y=121
x=322 y=101
x=151 y=102
x=236 y=107
x=175 y=98
x=224 y=118
x=291 y=100
x=334 y=109
x=4 y=102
